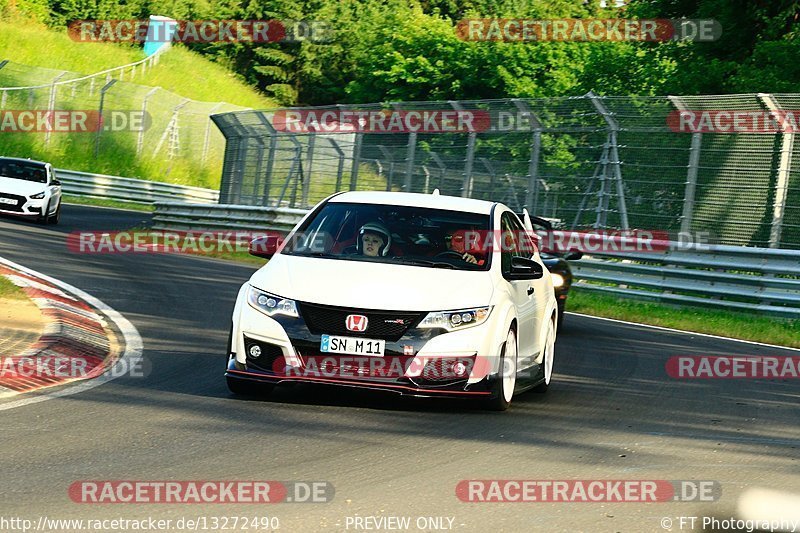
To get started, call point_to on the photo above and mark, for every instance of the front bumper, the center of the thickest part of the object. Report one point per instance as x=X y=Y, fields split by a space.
x=24 y=206
x=421 y=362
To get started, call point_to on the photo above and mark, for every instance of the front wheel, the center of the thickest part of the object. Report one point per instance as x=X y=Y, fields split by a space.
x=503 y=389
x=43 y=216
x=55 y=217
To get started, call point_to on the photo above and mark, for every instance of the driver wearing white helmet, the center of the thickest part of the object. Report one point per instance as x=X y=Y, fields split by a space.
x=373 y=240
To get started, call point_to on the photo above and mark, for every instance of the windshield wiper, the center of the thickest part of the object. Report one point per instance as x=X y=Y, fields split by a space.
x=423 y=262
x=313 y=254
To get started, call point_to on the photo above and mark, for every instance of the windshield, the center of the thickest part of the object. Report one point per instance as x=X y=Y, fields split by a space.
x=22 y=170
x=415 y=236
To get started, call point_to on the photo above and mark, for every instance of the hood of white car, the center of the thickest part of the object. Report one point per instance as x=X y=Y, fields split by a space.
x=20 y=187
x=369 y=285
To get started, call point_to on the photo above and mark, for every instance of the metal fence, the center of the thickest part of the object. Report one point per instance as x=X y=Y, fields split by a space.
x=739 y=278
x=755 y=280
x=175 y=128
x=181 y=217
x=131 y=190
x=590 y=161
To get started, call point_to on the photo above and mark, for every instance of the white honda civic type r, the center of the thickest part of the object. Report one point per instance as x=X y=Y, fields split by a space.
x=424 y=295
x=29 y=188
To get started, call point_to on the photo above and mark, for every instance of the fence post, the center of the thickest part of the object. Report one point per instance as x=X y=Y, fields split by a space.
x=296 y=160
x=140 y=136
x=613 y=129
x=51 y=106
x=410 y=152
x=442 y=168
x=3 y=63
x=532 y=198
x=390 y=158
x=273 y=147
x=691 y=174
x=207 y=133
x=356 y=161
x=103 y=91
x=312 y=141
x=782 y=183
x=466 y=188
x=492 y=174
x=169 y=131
x=340 y=164
x=691 y=183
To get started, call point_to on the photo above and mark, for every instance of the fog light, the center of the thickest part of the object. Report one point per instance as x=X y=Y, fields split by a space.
x=255 y=351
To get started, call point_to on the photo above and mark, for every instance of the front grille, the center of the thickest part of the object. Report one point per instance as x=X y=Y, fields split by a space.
x=387 y=325
x=20 y=201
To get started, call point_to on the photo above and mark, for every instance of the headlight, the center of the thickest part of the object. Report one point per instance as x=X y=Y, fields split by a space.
x=38 y=196
x=558 y=280
x=452 y=320
x=269 y=304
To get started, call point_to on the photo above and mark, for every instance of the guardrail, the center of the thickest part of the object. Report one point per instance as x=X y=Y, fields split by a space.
x=131 y=190
x=764 y=280
x=181 y=216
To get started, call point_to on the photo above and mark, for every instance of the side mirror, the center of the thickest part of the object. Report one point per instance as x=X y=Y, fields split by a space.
x=266 y=246
x=573 y=256
x=55 y=183
x=524 y=268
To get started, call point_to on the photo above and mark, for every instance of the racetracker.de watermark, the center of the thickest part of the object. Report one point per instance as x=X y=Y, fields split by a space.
x=587 y=491
x=171 y=242
x=588 y=30
x=733 y=367
x=200 y=492
x=381 y=121
x=68 y=367
x=201 y=31
x=734 y=121
x=72 y=121
x=484 y=242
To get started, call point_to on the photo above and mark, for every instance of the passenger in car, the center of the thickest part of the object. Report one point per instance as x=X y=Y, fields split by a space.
x=373 y=240
x=456 y=242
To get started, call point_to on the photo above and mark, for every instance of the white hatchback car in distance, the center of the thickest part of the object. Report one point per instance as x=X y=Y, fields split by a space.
x=423 y=295
x=29 y=188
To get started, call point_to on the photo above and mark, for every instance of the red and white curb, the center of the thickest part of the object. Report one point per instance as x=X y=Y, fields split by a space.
x=76 y=329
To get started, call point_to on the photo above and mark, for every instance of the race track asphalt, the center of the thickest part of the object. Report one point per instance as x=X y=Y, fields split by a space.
x=611 y=413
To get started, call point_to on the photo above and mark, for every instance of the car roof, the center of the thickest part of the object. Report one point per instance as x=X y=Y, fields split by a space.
x=22 y=160
x=431 y=201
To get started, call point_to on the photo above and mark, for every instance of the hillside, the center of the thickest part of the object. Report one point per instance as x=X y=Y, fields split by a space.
x=34 y=49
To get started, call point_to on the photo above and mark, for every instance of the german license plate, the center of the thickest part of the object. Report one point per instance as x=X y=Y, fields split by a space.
x=9 y=201
x=352 y=345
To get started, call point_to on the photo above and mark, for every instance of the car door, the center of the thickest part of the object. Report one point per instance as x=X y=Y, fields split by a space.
x=523 y=292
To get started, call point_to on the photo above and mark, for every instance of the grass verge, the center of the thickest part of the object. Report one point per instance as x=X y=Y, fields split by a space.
x=783 y=332
x=9 y=291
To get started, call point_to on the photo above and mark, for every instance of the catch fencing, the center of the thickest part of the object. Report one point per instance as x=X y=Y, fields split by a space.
x=602 y=162
x=755 y=280
x=175 y=131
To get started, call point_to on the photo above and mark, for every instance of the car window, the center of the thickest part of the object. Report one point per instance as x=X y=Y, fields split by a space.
x=22 y=170
x=514 y=241
x=406 y=235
